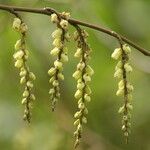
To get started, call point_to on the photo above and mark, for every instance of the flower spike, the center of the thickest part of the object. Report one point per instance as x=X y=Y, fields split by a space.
x=26 y=76
x=83 y=76
x=60 y=51
x=123 y=68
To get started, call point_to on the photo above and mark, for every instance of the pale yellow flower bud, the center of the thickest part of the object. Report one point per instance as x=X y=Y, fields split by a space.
x=57 y=43
x=89 y=70
x=64 y=24
x=64 y=57
x=130 y=107
x=32 y=97
x=78 y=53
x=87 y=98
x=88 y=90
x=78 y=94
x=66 y=15
x=118 y=73
x=23 y=73
x=76 y=123
x=84 y=120
x=119 y=65
x=18 y=55
x=121 y=84
x=77 y=114
x=80 y=85
x=77 y=74
x=81 y=106
x=55 y=51
x=128 y=68
x=18 y=45
x=16 y=24
x=57 y=33
x=19 y=63
x=116 y=54
x=130 y=87
x=23 y=28
x=24 y=101
x=86 y=78
x=25 y=93
x=121 y=110
x=51 y=79
x=22 y=80
x=51 y=71
x=127 y=49
x=120 y=92
x=55 y=83
x=32 y=76
x=30 y=84
x=54 y=18
x=60 y=76
x=81 y=65
x=58 y=64
x=51 y=91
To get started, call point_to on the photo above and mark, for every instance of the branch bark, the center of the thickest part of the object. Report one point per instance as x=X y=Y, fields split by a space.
x=48 y=11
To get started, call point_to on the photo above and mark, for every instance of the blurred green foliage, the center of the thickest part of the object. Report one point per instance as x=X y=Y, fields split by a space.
x=53 y=131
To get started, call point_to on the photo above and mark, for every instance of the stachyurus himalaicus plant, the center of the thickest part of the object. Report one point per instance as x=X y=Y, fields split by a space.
x=83 y=71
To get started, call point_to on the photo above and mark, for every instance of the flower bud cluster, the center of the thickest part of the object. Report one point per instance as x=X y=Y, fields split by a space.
x=26 y=77
x=123 y=68
x=83 y=76
x=60 y=51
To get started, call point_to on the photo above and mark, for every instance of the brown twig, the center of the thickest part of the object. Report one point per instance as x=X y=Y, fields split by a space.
x=48 y=11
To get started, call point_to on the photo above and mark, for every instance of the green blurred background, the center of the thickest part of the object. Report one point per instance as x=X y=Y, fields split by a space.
x=54 y=131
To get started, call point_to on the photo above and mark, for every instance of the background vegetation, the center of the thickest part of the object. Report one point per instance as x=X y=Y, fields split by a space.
x=53 y=131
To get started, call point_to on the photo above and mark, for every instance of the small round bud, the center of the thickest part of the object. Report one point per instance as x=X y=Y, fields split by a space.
x=64 y=57
x=81 y=106
x=16 y=24
x=58 y=64
x=55 y=83
x=120 y=92
x=18 y=55
x=57 y=43
x=78 y=53
x=57 y=33
x=89 y=70
x=19 y=63
x=24 y=101
x=25 y=93
x=64 y=24
x=86 y=78
x=78 y=94
x=18 y=45
x=30 y=84
x=77 y=74
x=54 y=18
x=23 y=28
x=22 y=80
x=116 y=54
x=32 y=76
x=84 y=120
x=60 y=76
x=51 y=91
x=51 y=71
x=77 y=114
x=80 y=85
x=128 y=68
x=80 y=66
x=127 y=49
x=55 y=51
x=76 y=123
x=87 y=98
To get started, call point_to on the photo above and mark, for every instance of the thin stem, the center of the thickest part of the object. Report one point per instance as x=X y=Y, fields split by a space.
x=48 y=11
